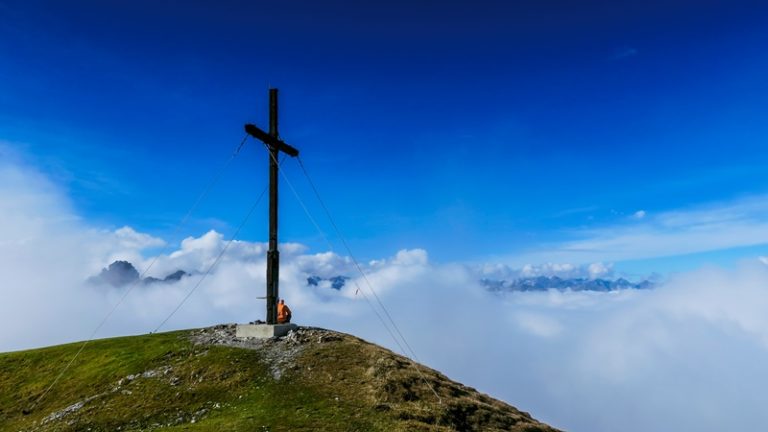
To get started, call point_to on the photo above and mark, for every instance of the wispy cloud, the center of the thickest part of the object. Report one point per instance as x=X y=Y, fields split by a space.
x=576 y=210
x=712 y=227
x=624 y=53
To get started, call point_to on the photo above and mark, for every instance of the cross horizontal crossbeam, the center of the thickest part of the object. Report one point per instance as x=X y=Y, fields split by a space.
x=270 y=140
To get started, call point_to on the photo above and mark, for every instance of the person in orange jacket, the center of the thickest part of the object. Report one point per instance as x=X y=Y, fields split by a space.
x=283 y=313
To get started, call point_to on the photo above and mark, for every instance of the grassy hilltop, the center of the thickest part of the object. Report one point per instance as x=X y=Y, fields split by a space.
x=207 y=380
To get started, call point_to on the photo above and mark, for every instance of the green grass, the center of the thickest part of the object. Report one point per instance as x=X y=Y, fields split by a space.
x=343 y=384
x=248 y=397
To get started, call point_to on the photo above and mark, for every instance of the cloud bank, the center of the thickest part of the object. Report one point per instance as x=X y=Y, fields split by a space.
x=689 y=355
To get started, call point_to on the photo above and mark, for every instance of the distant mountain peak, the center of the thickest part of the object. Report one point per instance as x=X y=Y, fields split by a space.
x=336 y=282
x=171 y=278
x=121 y=273
x=117 y=274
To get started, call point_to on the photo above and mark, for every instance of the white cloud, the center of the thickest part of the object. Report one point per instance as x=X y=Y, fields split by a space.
x=538 y=324
x=639 y=214
x=411 y=257
x=689 y=355
x=530 y=270
x=127 y=238
x=599 y=269
x=564 y=270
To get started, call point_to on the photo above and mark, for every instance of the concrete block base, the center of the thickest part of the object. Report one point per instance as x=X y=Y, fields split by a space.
x=263 y=331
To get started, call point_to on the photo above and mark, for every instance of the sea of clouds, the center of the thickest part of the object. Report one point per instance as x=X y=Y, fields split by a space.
x=691 y=354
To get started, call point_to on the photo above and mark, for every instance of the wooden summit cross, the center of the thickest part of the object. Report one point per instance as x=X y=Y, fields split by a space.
x=275 y=145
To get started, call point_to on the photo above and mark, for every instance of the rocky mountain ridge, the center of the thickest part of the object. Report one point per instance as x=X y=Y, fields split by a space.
x=122 y=273
x=545 y=283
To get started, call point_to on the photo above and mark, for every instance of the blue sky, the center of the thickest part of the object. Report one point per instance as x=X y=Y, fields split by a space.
x=564 y=135
x=511 y=131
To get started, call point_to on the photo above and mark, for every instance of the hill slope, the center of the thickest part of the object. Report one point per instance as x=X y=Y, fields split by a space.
x=208 y=380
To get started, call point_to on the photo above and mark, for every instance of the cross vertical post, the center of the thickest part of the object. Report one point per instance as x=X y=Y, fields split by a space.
x=274 y=145
x=273 y=255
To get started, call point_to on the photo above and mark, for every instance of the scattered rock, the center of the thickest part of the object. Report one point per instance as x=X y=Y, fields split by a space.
x=152 y=373
x=59 y=415
x=279 y=352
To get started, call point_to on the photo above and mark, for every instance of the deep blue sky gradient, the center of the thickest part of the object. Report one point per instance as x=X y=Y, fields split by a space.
x=471 y=129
